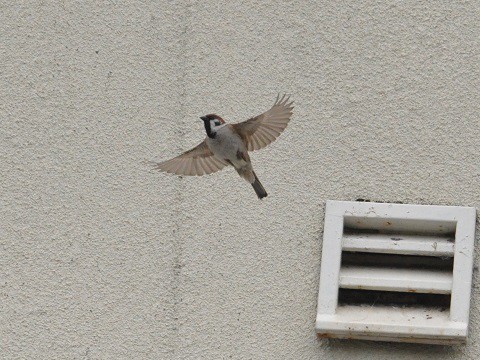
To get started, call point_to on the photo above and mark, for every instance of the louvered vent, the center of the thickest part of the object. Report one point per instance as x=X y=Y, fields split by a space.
x=396 y=272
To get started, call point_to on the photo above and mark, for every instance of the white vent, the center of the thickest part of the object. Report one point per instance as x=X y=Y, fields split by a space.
x=396 y=272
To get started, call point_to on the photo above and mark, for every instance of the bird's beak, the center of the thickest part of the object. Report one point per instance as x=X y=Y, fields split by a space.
x=204 y=118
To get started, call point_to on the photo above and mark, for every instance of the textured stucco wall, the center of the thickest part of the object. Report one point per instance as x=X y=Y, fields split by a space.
x=101 y=258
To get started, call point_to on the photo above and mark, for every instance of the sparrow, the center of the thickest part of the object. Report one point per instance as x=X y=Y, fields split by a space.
x=229 y=144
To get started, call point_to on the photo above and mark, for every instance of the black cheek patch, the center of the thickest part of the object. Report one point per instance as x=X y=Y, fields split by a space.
x=208 y=129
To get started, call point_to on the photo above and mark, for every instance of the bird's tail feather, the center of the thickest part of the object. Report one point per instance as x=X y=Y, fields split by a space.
x=258 y=187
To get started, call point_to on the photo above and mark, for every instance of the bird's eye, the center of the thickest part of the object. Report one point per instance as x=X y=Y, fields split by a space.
x=217 y=123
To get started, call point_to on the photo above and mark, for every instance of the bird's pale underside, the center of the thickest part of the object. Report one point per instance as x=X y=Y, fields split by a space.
x=228 y=144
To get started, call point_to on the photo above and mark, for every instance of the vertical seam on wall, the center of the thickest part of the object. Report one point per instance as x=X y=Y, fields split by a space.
x=178 y=214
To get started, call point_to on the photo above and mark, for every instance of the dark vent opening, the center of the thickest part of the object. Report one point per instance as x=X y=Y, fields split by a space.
x=449 y=235
x=397 y=261
x=390 y=298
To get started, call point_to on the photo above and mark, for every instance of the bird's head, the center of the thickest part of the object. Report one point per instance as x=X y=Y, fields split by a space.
x=212 y=123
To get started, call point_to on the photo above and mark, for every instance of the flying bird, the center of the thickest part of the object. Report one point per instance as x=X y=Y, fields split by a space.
x=229 y=144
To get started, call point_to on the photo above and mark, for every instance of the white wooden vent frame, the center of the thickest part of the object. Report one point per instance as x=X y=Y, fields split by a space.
x=381 y=229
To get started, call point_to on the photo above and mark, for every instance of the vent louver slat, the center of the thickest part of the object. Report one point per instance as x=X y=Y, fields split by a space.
x=403 y=280
x=404 y=244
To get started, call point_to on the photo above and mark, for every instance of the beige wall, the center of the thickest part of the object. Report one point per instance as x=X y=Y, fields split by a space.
x=101 y=258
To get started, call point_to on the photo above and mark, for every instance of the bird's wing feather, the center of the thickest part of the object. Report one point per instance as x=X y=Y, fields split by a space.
x=197 y=161
x=263 y=129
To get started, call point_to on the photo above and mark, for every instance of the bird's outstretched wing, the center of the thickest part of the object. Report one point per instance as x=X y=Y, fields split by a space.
x=197 y=161
x=263 y=129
